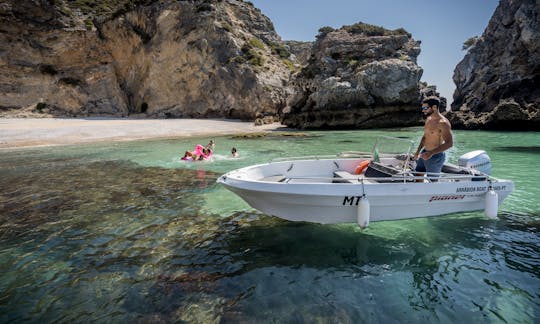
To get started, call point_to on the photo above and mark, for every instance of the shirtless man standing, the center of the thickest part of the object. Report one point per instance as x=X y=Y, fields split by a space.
x=437 y=138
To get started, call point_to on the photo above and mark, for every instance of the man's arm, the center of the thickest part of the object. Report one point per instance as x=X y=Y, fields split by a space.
x=420 y=146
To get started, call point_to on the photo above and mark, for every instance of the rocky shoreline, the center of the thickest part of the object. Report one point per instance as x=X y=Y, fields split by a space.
x=223 y=59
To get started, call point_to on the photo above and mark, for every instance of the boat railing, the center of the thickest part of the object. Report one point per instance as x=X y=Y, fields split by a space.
x=345 y=154
x=439 y=177
x=305 y=157
x=355 y=154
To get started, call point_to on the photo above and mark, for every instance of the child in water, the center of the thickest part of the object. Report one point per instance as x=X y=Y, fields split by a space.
x=211 y=145
x=234 y=153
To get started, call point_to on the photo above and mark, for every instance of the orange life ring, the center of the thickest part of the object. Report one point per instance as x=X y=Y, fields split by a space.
x=361 y=167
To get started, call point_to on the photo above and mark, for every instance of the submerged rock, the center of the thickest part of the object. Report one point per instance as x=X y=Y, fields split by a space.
x=498 y=80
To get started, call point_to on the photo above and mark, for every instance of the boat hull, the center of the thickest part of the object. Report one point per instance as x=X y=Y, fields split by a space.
x=320 y=201
x=341 y=206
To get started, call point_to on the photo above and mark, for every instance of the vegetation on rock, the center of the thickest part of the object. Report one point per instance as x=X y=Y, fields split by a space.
x=257 y=43
x=325 y=30
x=469 y=43
x=373 y=30
x=290 y=65
x=280 y=49
x=104 y=7
x=251 y=55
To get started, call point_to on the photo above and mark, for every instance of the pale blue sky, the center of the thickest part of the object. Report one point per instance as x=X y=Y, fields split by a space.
x=441 y=25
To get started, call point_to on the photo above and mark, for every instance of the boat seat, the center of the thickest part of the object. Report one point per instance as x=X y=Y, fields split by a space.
x=308 y=180
x=454 y=169
x=379 y=170
x=274 y=178
x=347 y=177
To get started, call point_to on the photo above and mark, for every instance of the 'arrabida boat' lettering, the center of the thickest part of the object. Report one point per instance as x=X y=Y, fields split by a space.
x=480 y=189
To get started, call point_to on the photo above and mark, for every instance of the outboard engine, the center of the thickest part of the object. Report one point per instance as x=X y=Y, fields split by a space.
x=478 y=160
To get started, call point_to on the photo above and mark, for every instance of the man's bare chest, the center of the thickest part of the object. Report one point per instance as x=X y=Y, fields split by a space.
x=432 y=127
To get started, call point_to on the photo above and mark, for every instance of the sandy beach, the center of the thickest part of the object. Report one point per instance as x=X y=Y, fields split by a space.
x=29 y=132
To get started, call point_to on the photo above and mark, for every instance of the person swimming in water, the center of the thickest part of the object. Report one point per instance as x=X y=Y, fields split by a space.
x=200 y=153
x=211 y=145
x=206 y=153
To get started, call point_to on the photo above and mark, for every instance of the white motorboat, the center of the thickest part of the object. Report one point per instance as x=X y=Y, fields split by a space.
x=362 y=187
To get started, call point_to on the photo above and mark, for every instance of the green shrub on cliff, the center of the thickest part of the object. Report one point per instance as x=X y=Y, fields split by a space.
x=324 y=30
x=255 y=58
x=280 y=50
x=373 y=30
x=250 y=54
x=109 y=8
x=257 y=43
x=88 y=23
x=469 y=43
x=290 y=65
x=401 y=31
x=361 y=28
x=352 y=62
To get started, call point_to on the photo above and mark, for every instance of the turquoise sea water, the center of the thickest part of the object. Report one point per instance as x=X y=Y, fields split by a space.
x=115 y=232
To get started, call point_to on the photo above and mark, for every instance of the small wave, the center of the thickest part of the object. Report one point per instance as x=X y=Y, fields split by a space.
x=221 y=157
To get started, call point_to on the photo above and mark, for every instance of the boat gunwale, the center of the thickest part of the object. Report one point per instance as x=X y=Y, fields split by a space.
x=384 y=189
x=398 y=178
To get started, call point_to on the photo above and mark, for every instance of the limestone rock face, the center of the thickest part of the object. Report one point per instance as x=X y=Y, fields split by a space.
x=162 y=59
x=51 y=63
x=302 y=50
x=359 y=76
x=498 y=80
x=427 y=90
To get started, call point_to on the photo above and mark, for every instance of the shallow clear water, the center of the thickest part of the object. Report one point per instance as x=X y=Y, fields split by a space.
x=127 y=232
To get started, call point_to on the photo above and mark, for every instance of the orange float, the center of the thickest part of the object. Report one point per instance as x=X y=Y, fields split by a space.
x=361 y=167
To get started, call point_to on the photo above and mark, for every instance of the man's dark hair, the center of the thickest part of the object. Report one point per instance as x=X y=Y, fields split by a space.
x=432 y=101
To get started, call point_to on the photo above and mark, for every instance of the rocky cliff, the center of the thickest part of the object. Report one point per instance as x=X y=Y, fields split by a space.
x=145 y=58
x=360 y=76
x=498 y=81
x=302 y=50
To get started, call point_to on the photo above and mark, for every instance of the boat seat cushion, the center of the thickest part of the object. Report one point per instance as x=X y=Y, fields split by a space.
x=454 y=169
